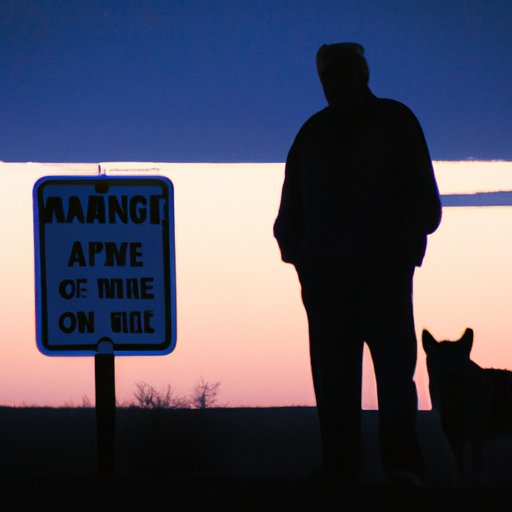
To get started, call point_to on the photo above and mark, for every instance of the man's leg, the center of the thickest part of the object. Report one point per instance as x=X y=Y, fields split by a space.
x=391 y=338
x=336 y=349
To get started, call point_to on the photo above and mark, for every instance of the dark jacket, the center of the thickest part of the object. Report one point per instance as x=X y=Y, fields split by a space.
x=358 y=188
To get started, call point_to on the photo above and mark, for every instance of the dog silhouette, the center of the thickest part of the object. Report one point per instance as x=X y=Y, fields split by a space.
x=474 y=404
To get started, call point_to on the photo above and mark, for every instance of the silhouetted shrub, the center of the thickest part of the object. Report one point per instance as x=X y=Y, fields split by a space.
x=204 y=395
x=86 y=402
x=148 y=397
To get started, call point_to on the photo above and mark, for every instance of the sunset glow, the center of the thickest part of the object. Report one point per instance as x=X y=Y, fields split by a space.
x=239 y=314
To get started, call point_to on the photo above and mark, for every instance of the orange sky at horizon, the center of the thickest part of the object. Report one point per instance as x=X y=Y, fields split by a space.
x=240 y=317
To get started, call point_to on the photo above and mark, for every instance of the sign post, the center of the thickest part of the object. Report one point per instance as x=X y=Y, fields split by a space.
x=105 y=389
x=105 y=277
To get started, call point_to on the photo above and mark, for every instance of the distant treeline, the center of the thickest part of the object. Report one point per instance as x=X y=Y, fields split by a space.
x=203 y=396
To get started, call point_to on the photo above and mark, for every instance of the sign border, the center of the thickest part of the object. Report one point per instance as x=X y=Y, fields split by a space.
x=120 y=349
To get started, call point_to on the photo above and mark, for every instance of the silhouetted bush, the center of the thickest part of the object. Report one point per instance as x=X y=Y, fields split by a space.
x=148 y=397
x=204 y=395
x=86 y=402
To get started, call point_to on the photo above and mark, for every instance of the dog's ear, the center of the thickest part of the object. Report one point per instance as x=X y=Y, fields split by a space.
x=467 y=340
x=428 y=341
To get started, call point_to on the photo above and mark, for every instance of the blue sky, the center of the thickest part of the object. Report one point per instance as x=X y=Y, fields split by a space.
x=233 y=81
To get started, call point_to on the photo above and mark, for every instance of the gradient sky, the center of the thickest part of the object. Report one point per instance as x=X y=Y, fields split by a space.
x=240 y=316
x=232 y=81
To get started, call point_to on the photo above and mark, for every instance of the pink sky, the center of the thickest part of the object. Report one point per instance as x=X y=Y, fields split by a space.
x=240 y=317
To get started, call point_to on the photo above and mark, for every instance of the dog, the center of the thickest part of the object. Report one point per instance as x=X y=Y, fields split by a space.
x=474 y=404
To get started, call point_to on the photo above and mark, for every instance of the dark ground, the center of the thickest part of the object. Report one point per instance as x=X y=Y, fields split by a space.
x=219 y=459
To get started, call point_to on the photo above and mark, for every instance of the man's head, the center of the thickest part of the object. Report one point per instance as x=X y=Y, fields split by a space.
x=343 y=72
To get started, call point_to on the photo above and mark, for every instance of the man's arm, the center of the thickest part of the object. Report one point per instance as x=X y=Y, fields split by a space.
x=430 y=210
x=423 y=194
x=289 y=225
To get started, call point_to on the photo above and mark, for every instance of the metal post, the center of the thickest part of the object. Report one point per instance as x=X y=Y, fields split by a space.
x=105 y=411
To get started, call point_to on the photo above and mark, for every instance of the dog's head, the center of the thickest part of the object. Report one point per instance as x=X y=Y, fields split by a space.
x=448 y=352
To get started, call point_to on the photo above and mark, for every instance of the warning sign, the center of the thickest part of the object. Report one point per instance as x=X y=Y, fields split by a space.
x=105 y=265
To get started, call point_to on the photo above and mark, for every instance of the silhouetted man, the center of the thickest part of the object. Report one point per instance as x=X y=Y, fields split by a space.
x=358 y=200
